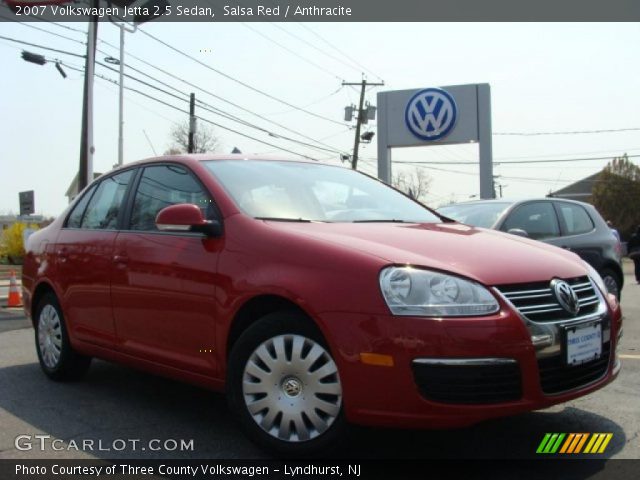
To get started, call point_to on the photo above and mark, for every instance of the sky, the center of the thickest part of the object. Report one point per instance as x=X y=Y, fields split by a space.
x=555 y=77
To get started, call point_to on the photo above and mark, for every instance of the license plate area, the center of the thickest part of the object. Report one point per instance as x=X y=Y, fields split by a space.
x=582 y=343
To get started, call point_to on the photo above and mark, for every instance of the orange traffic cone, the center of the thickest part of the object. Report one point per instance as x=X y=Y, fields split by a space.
x=14 y=299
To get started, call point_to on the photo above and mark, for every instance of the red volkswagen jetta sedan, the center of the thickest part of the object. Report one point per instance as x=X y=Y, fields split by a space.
x=314 y=296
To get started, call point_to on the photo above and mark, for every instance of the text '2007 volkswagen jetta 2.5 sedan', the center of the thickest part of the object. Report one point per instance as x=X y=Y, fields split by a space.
x=315 y=296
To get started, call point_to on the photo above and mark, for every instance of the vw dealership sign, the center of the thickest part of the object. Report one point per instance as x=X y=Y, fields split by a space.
x=431 y=114
x=458 y=114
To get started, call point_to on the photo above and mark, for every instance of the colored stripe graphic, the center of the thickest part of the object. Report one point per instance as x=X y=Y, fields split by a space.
x=573 y=443
x=550 y=443
x=543 y=443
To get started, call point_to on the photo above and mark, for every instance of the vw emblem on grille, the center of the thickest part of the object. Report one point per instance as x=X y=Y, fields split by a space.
x=431 y=114
x=565 y=295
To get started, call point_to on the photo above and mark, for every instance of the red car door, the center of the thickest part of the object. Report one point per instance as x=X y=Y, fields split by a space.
x=163 y=283
x=84 y=259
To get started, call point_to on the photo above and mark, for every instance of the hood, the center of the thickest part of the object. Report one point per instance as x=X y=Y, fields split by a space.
x=487 y=256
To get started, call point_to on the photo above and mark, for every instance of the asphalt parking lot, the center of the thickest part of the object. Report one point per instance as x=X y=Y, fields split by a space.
x=115 y=403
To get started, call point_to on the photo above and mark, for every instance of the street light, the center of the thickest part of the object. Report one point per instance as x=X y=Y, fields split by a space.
x=42 y=60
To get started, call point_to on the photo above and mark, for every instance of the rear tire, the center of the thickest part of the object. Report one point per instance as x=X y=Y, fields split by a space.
x=284 y=386
x=57 y=358
x=612 y=282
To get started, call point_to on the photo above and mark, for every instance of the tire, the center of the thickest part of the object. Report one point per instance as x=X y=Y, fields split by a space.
x=286 y=402
x=57 y=359
x=612 y=282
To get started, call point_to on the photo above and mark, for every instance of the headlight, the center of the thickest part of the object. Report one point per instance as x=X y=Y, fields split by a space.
x=595 y=276
x=415 y=292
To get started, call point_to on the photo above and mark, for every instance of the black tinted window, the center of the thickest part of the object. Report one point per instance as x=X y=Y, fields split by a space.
x=538 y=219
x=105 y=205
x=162 y=186
x=576 y=219
x=75 y=218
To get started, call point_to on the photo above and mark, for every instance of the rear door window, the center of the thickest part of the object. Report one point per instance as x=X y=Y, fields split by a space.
x=576 y=219
x=75 y=217
x=105 y=205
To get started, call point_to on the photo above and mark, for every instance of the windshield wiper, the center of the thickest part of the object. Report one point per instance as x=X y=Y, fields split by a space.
x=391 y=220
x=279 y=219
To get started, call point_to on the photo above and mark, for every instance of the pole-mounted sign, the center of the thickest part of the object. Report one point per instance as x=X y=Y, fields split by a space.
x=436 y=116
x=27 y=204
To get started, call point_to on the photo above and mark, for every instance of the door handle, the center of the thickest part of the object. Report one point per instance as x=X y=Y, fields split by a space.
x=62 y=255
x=121 y=259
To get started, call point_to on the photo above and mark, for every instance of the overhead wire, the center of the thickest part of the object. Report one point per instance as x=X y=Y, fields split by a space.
x=239 y=82
x=203 y=104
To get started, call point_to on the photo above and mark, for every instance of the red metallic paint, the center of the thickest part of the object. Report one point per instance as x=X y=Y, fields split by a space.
x=155 y=300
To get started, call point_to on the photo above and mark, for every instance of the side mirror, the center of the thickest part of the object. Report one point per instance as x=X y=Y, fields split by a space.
x=518 y=231
x=186 y=217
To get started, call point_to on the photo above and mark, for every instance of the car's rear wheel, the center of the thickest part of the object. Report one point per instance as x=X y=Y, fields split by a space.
x=57 y=358
x=611 y=281
x=284 y=386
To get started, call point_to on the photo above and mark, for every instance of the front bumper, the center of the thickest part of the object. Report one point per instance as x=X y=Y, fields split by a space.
x=395 y=395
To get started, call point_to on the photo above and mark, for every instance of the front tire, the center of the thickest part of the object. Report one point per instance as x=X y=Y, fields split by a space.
x=284 y=386
x=612 y=282
x=57 y=358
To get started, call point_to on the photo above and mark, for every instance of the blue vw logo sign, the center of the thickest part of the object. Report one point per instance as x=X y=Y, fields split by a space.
x=431 y=114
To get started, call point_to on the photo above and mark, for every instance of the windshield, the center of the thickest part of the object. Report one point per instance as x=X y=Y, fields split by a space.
x=482 y=215
x=282 y=190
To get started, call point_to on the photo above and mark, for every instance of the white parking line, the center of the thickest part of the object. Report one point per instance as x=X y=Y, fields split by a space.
x=633 y=357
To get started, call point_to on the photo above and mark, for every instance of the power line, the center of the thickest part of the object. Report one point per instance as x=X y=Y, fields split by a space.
x=213 y=95
x=206 y=119
x=239 y=82
x=25 y=24
x=503 y=162
x=576 y=132
x=297 y=55
x=315 y=47
x=214 y=111
x=339 y=51
x=210 y=109
x=551 y=155
x=41 y=46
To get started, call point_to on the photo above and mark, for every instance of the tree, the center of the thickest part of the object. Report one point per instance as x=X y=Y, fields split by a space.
x=12 y=243
x=204 y=139
x=616 y=195
x=415 y=184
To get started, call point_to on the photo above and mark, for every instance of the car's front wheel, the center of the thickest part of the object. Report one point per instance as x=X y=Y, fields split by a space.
x=57 y=358
x=284 y=386
x=611 y=281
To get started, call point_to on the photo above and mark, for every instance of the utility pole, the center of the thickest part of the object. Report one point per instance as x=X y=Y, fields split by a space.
x=360 y=119
x=85 y=172
x=192 y=122
x=121 y=100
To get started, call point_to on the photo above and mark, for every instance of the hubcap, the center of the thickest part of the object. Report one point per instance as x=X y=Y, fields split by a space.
x=291 y=388
x=49 y=336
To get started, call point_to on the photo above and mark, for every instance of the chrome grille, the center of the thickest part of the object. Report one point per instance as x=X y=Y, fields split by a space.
x=537 y=302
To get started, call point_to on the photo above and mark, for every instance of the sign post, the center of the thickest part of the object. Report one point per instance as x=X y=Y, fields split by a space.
x=436 y=116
